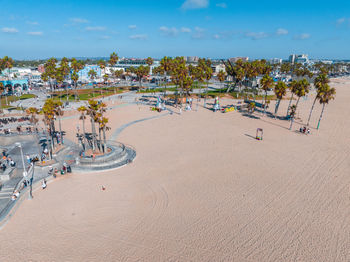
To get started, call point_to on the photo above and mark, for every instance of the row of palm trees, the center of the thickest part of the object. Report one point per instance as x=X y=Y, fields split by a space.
x=324 y=94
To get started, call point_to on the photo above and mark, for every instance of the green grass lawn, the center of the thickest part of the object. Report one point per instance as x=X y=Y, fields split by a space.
x=14 y=98
x=86 y=94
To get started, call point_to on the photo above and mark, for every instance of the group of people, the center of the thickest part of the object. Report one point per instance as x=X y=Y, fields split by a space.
x=6 y=161
x=8 y=120
x=304 y=130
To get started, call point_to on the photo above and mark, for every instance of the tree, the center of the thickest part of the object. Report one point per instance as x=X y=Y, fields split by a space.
x=326 y=95
x=102 y=65
x=166 y=65
x=266 y=83
x=221 y=76
x=205 y=65
x=34 y=112
x=76 y=66
x=113 y=59
x=293 y=88
x=83 y=111
x=320 y=83
x=280 y=91
x=149 y=61
x=2 y=89
x=141 y=71
x=92 y=111
x=292 y=113
x=92 y=74
x=50 y=72
x=303 y=88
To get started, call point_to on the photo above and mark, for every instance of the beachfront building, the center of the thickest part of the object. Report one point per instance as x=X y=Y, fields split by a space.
x=301 y=59
x=235 y=59
x=126 y=63
x=84 y=73
x=276 y=61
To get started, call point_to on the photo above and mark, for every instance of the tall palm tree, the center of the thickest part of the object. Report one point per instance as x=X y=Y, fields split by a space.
x=149 y=61
x=142 y=71
x=326 y=95
x=166 y=65
x=92 y=74
x=303 y=88
x=83 y=110
x=266 y=83
x=292 y=113
x=76 y=66
x=293 y=86
x=34 y=112
x=320 y=82
x=280 y=91
x=221 y=76
x=2 y=89
x=113 y=59
x=92 y=111
x=102 y=65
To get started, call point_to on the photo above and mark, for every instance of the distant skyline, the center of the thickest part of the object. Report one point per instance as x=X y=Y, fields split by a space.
x=33 y=29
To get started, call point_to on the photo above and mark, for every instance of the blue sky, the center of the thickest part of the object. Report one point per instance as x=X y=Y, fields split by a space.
x=206 y=28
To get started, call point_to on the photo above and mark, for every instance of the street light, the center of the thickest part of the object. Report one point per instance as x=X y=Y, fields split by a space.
x=18 y=144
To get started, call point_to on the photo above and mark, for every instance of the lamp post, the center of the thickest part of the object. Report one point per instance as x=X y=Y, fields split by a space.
x=18 y=144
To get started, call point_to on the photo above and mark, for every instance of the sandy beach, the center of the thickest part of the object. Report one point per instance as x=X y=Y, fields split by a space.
x=201 y=189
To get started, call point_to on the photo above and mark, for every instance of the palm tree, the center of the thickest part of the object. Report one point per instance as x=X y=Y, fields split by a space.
x=221 y=77
x=76 y=66
x=102 y=65
x=92 y=74
x=292 y=113
x=266 y=83
x=2 y=89
x=303 y=88
x=280 y=91
x=49 y=118
x=166 y=64
x=293 y=88
x=113 y=59
x=142 y=71
x=92 y=111
x=320 y=82
x=149 y=61
x=326 y=95
x=33 y=112
x=83 y=110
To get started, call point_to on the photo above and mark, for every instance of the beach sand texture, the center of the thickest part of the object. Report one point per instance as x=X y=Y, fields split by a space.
x=201 y=189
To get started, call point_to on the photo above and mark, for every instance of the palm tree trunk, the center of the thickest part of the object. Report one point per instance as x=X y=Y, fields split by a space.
x=290 y=102
x=265 y=102
x=84 y=133
x=277 y=106
x=104 y=140
x=93 y=132
x=100 y=139
x=319 y=121
x=291 y=123
x=60 y=127
x=48 y=143
x=312 y=108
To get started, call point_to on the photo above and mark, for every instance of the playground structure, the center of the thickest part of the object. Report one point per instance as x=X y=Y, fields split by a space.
x=216 y=104
x=228 y=109
x=259 y=134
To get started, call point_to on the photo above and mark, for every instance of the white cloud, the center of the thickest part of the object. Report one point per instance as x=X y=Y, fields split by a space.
x=172 y=31
x=32 y=23
x=95 y=28
x=198 y=33
x=341 y=21
x=302 y=36
x=132 y=27
x=216 y=36
x=186 y=30
x=222 y=5
x=9 y=30
x=282 y=31
x=195 y=4
x=139 y=37
x=256 y=35
x=79 y=20
x=35 y=33
x=105 y=37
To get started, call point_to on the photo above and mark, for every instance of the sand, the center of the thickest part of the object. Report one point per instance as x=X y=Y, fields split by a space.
x=201 y=189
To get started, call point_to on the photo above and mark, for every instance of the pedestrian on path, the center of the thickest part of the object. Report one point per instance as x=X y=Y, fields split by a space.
x=43 y=184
